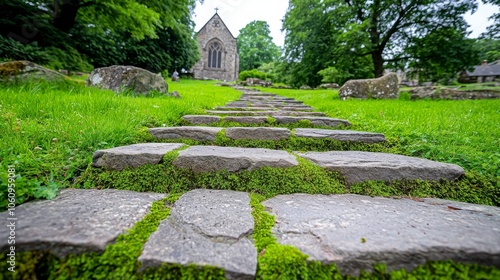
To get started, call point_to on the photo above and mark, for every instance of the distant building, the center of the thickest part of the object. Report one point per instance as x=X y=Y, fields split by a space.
x=486 y=72
x=219 y=52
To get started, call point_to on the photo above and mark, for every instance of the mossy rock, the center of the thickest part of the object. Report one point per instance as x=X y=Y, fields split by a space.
x=23 y=70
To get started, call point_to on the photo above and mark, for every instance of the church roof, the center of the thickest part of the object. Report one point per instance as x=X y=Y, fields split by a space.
x=224 y=24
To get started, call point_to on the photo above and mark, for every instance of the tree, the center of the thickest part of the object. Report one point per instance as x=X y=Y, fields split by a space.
x=441 y=54
x=488 y=49
x=151 y=34
x=255 y=46
x=493 y=31
x=378 y=28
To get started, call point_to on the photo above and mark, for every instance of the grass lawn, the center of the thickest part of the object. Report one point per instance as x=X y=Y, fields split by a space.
x=49 y=132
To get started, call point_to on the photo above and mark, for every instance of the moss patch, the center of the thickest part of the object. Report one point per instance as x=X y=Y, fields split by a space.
x=119 y=260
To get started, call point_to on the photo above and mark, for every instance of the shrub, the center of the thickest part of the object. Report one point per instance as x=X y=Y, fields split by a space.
x=254 y=73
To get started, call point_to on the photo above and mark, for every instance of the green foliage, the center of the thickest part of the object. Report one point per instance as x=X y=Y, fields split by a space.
x=488 y=49
x=255 y=45
x=441 y=54
x=356 y=36
x=254 y=73
x=77 y=34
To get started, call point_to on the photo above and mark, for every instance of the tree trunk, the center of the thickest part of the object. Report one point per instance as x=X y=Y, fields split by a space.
x=378 y=63
x=64 y=16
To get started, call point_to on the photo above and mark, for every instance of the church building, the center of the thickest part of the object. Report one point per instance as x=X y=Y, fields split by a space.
x=219 y=52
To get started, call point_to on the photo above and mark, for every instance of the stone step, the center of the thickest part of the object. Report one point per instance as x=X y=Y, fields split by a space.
x=355 y=232
x=365 y=166
x=214 y=227
x=265 y=113
x=317 y=121
x=206 y=227
x=202 y=133
x=354 y=166
x=76 y=221
x=236 y=108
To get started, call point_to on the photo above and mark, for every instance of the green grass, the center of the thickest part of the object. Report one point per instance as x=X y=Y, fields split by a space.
x=49 y=132
x=465 y=132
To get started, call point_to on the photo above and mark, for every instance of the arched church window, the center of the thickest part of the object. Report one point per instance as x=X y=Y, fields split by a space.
x=215 y=55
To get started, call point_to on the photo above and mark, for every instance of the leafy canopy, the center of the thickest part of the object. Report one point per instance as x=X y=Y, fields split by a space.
x=256 y=46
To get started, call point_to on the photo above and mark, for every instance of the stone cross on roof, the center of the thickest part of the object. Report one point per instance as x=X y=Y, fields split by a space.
x=216 y=9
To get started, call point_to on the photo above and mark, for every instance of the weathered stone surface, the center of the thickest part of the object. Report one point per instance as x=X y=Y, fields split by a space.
x=452 y=94
x=77 y=221
x=320 y=121
x=213 y=158
x=305 y=87
x=380 y=88
x=201 y=119
x=132 y=156
x=246 y=120
x=265 y=113
x=341 y=135
x=297 y=108
x=356 y=231
x=258 y=133
x=27 y=71
x=119 y=78
x=200 y=133
x=206 y=227
x=363 y=166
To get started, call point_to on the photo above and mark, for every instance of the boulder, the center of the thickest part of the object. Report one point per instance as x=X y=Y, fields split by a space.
x=385 y=87
x=119 y=78
x=305 y=87
x=257 y=82
x=24 y=70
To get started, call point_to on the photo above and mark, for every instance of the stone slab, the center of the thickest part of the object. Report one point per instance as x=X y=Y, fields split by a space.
x=264 y=113
x=301 y=108
x=200 y=133
x=341 y=135
x=356 y=231
x=77 y=221
x=243 y=108
x=201 y=119
x=258 y=133
x=132 y=156
x=213 y=158
x=364 y=166
x=320 y=121
x=246 y=120
x=206 y=227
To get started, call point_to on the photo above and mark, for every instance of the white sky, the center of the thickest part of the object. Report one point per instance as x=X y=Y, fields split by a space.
x=236 y=14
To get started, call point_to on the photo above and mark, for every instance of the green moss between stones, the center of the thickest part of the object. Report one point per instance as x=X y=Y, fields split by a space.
x=271 y=122
x=119 y=260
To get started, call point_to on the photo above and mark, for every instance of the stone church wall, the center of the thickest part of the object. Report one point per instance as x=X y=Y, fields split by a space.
x=215 y=29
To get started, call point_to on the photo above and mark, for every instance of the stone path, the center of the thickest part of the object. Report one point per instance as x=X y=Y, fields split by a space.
x=215 y=227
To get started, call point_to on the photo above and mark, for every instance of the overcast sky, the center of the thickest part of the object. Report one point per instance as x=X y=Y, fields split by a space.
x=236 y=14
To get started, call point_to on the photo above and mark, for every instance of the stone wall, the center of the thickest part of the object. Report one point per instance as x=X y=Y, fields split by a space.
x=215 y=29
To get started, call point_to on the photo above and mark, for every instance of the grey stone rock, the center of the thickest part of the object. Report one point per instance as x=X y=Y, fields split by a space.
x=258 y=133
x=380 y=88
x=341 y=135
x=132 y=156
x=246 y=120
x=265 y=113
x=201 y=119
x=356 y=232
x=363 y=166
x=320 y=121
x=305 y=87
x=297 y=108
x=24 y=70
x=328 y=86
x=213 y=158
x=77 y=221
x=119 y=78
x=452 y=94
x=206 y=227
x=200 y=133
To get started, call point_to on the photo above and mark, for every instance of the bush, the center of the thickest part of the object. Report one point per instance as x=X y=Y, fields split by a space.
x=254 y=73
